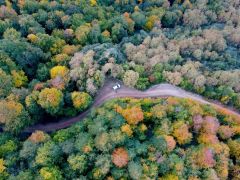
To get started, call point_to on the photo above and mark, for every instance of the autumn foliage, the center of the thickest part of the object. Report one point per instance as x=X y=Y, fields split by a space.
x=133 y=115
x=204 y=158
x=51 y=99
x=181 y=132
x=37 y=137
x=120 y=140
x=81 y=100
x=120 y=157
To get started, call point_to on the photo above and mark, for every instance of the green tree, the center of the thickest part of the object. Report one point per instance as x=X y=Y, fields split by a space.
x=135 y=170
x=6 y=84
x=51 y=173
x=48 y=154
x=78 y=162
x=139 y=19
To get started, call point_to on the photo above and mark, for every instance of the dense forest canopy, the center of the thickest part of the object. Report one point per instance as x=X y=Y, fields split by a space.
x=169 y=139
x=55 y=55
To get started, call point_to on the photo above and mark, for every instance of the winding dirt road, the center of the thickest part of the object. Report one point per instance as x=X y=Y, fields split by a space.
x=107 y=93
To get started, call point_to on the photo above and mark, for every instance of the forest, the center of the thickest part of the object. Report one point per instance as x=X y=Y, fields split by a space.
x=164 y=138
x=55 y=55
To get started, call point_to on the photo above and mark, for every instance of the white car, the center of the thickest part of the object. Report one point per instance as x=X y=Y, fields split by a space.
x=116 y=87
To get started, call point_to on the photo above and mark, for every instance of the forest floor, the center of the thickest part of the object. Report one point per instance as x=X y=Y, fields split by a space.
x=107 y=93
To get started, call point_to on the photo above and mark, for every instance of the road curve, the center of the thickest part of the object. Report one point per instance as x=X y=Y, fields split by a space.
x=107 y=93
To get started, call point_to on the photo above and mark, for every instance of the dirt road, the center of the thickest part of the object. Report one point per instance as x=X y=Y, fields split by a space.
x=107 y=93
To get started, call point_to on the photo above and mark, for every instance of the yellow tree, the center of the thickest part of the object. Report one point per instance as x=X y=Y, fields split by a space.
x=133 y=115
x=181 y=132
x=51 y=99
x=19 y=78
x=2 y=167
x=81 y=100
x=59 y=76
x=13 y=115
x=61 y=71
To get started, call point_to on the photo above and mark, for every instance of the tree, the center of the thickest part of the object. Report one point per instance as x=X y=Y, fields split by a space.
x=2 y=167
x=57 y=46
x=24 y=175
x=135 y=170
x=234 y=146
x=102 y=165
x=11 y=34
x=81 y=100
x=6 y=84
x=203 y=157
x=13 y=116
x=171 y=143
x=50 y=173
x=225 y=132
x=158 y=111
x=28 y=150
x=103 y=142
x=139 y=19
x=120 y=157
x=130 y=78
x=51 y=99
x=31 y=104
x=171 y=18
x=181 y=132
x=42 y=73
x=59 y=76
x=70 y=49
x=78 y=162
x=127 y=129
x=19 y=78
x=133 y=115
x=194 y=18
x=38 y=137
x=24 y=54
x=210 y=125
x=6 y=63
x=29 y=25
x=118 y=32
x=94 y=35
x=117 y=137
x=3 y=26
x=48 y=154
x=151 y=20
x=8 y=146
x=174 y=78
x=142 y=83
x=82 y=32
